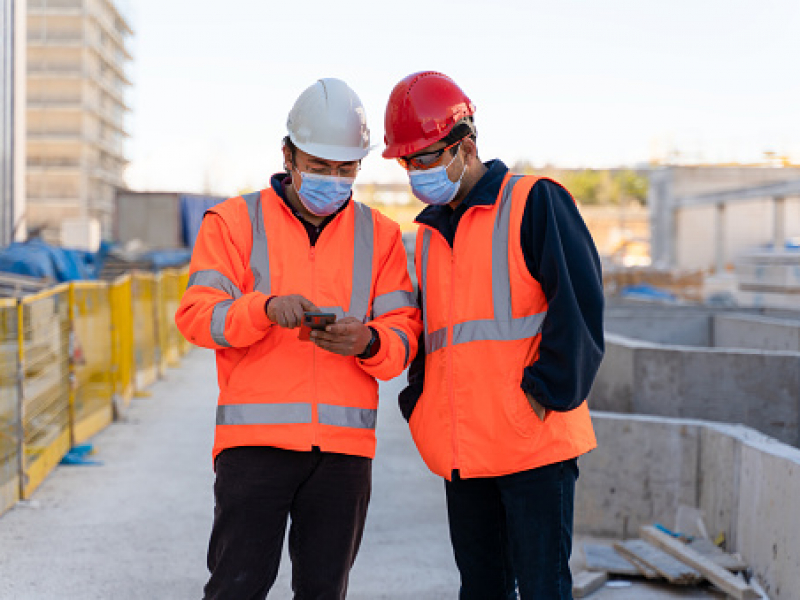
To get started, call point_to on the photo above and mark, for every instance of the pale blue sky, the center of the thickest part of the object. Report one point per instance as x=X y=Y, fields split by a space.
x=569 y=82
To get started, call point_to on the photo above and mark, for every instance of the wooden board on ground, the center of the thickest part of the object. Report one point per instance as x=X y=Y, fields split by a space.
x=645 y=570
x=664 y=564
x=600 y=557
x=587 y=582
x=714 y=553
x=720 y=577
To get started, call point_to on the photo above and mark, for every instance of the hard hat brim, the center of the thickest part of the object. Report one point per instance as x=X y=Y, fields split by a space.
x=328 y=152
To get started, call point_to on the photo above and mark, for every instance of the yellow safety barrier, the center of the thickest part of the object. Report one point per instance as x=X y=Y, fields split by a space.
x=122 y=347
x=47 y=415
x=10 y=434
x=92 y=372
x=147 y=355
x=71 y=359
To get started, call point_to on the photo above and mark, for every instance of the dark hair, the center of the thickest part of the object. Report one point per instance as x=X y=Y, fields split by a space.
x=464 y=128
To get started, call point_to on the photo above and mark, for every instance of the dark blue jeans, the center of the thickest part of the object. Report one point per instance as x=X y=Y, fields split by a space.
x=514 y=531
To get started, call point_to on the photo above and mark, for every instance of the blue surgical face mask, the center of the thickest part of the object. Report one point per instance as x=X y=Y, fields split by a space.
x=323 y=195
x=433 y=186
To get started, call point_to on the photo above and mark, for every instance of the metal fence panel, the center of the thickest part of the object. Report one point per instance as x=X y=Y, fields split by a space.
x=44 y=350
x=123 y=367
x=147 y=356
x=9 y=406
x=91 y=353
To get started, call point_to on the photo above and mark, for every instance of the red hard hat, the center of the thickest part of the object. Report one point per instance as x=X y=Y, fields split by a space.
x=422 y=109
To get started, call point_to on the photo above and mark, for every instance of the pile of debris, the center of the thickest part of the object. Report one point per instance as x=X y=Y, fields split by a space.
x=665 y=556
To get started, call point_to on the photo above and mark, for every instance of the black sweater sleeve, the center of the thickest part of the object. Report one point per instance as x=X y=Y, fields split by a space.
x=560 y=254
x=416 y=377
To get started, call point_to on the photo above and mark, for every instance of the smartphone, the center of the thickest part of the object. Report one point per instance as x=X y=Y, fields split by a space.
x=315 y=320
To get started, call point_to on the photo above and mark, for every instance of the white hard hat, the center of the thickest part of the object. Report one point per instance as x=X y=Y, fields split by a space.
x=328 y=121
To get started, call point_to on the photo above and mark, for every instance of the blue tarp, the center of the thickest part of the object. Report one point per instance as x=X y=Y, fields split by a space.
x=193 y=208
x=162 y=259
x=647 y=292
x=35 y=258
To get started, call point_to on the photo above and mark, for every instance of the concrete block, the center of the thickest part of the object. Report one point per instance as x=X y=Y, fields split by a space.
x=677 y=327
x=641 y=471
x=768 y=522
x=756 y=332
x=613 y=386
x=718 y=482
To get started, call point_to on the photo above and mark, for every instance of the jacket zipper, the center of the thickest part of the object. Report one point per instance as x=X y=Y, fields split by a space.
x=450 y=369
x=314 y=404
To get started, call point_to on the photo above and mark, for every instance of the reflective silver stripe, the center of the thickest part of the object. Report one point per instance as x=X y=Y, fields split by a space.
x=218 y=316
x=503 y=327
x=259 y=254
x=362 y=262
x=429 y=345
x=501 y=277
x=263 y=414
x=216 y=280
x=386 y=303
x=516 y=329
x=345 y=416
x=404 y=339
x=436 y=340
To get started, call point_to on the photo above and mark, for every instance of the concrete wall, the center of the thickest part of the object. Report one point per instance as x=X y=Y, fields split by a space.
x=746 y=485
x=755 y=332
x=659 y=324
x=153 y=218
x=758 y=388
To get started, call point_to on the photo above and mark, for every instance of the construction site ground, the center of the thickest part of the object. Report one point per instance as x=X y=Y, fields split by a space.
x=135 y=526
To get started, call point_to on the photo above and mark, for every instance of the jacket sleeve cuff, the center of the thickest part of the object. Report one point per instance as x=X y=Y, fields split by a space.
x=258 y=313
x=380 y=355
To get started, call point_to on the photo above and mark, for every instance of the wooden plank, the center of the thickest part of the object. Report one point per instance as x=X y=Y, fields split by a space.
x=600 y=557
x=587 y=582
x=644 y=569
x=720 y=577
x=714 y=553
x=666 y=565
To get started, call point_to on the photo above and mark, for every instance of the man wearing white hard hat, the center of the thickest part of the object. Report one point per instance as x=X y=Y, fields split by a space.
x=305 y=297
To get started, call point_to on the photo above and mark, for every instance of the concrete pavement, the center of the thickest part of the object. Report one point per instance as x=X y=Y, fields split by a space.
x=136 y=527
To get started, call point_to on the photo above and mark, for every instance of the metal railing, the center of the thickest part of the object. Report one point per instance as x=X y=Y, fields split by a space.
x=71 y=359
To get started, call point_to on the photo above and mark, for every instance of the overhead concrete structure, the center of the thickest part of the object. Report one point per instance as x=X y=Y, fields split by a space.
x=77 y=53
x=707 y=217
x=12 y=120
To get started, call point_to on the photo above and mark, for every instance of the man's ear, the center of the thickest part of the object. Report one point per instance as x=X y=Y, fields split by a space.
x=287 y=158
x=470 y=149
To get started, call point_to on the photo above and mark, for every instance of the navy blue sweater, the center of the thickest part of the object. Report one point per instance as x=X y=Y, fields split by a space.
x=560 y=254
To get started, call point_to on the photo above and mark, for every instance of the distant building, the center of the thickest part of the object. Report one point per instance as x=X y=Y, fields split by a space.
x=77 y=54
x=12 y=121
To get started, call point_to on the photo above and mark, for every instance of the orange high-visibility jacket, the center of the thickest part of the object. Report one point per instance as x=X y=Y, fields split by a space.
x=483 y=313
x=276 y=390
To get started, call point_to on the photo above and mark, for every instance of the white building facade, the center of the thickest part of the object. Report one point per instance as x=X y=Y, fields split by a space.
x=76 y=113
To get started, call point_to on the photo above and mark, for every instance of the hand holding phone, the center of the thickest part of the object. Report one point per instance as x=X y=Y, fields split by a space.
x=315 y=320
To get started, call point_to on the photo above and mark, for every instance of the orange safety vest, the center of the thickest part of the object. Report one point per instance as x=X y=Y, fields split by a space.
x=277 y=390
x=483 y=313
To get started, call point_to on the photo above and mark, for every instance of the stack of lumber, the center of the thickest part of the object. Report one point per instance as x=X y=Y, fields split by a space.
x=660 y=556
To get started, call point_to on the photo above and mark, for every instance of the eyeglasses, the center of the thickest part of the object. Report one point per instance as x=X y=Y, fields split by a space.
x=349 y=170
x=427 y=160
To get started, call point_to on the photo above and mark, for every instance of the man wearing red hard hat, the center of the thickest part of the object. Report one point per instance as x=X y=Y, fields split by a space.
x=512 y=301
